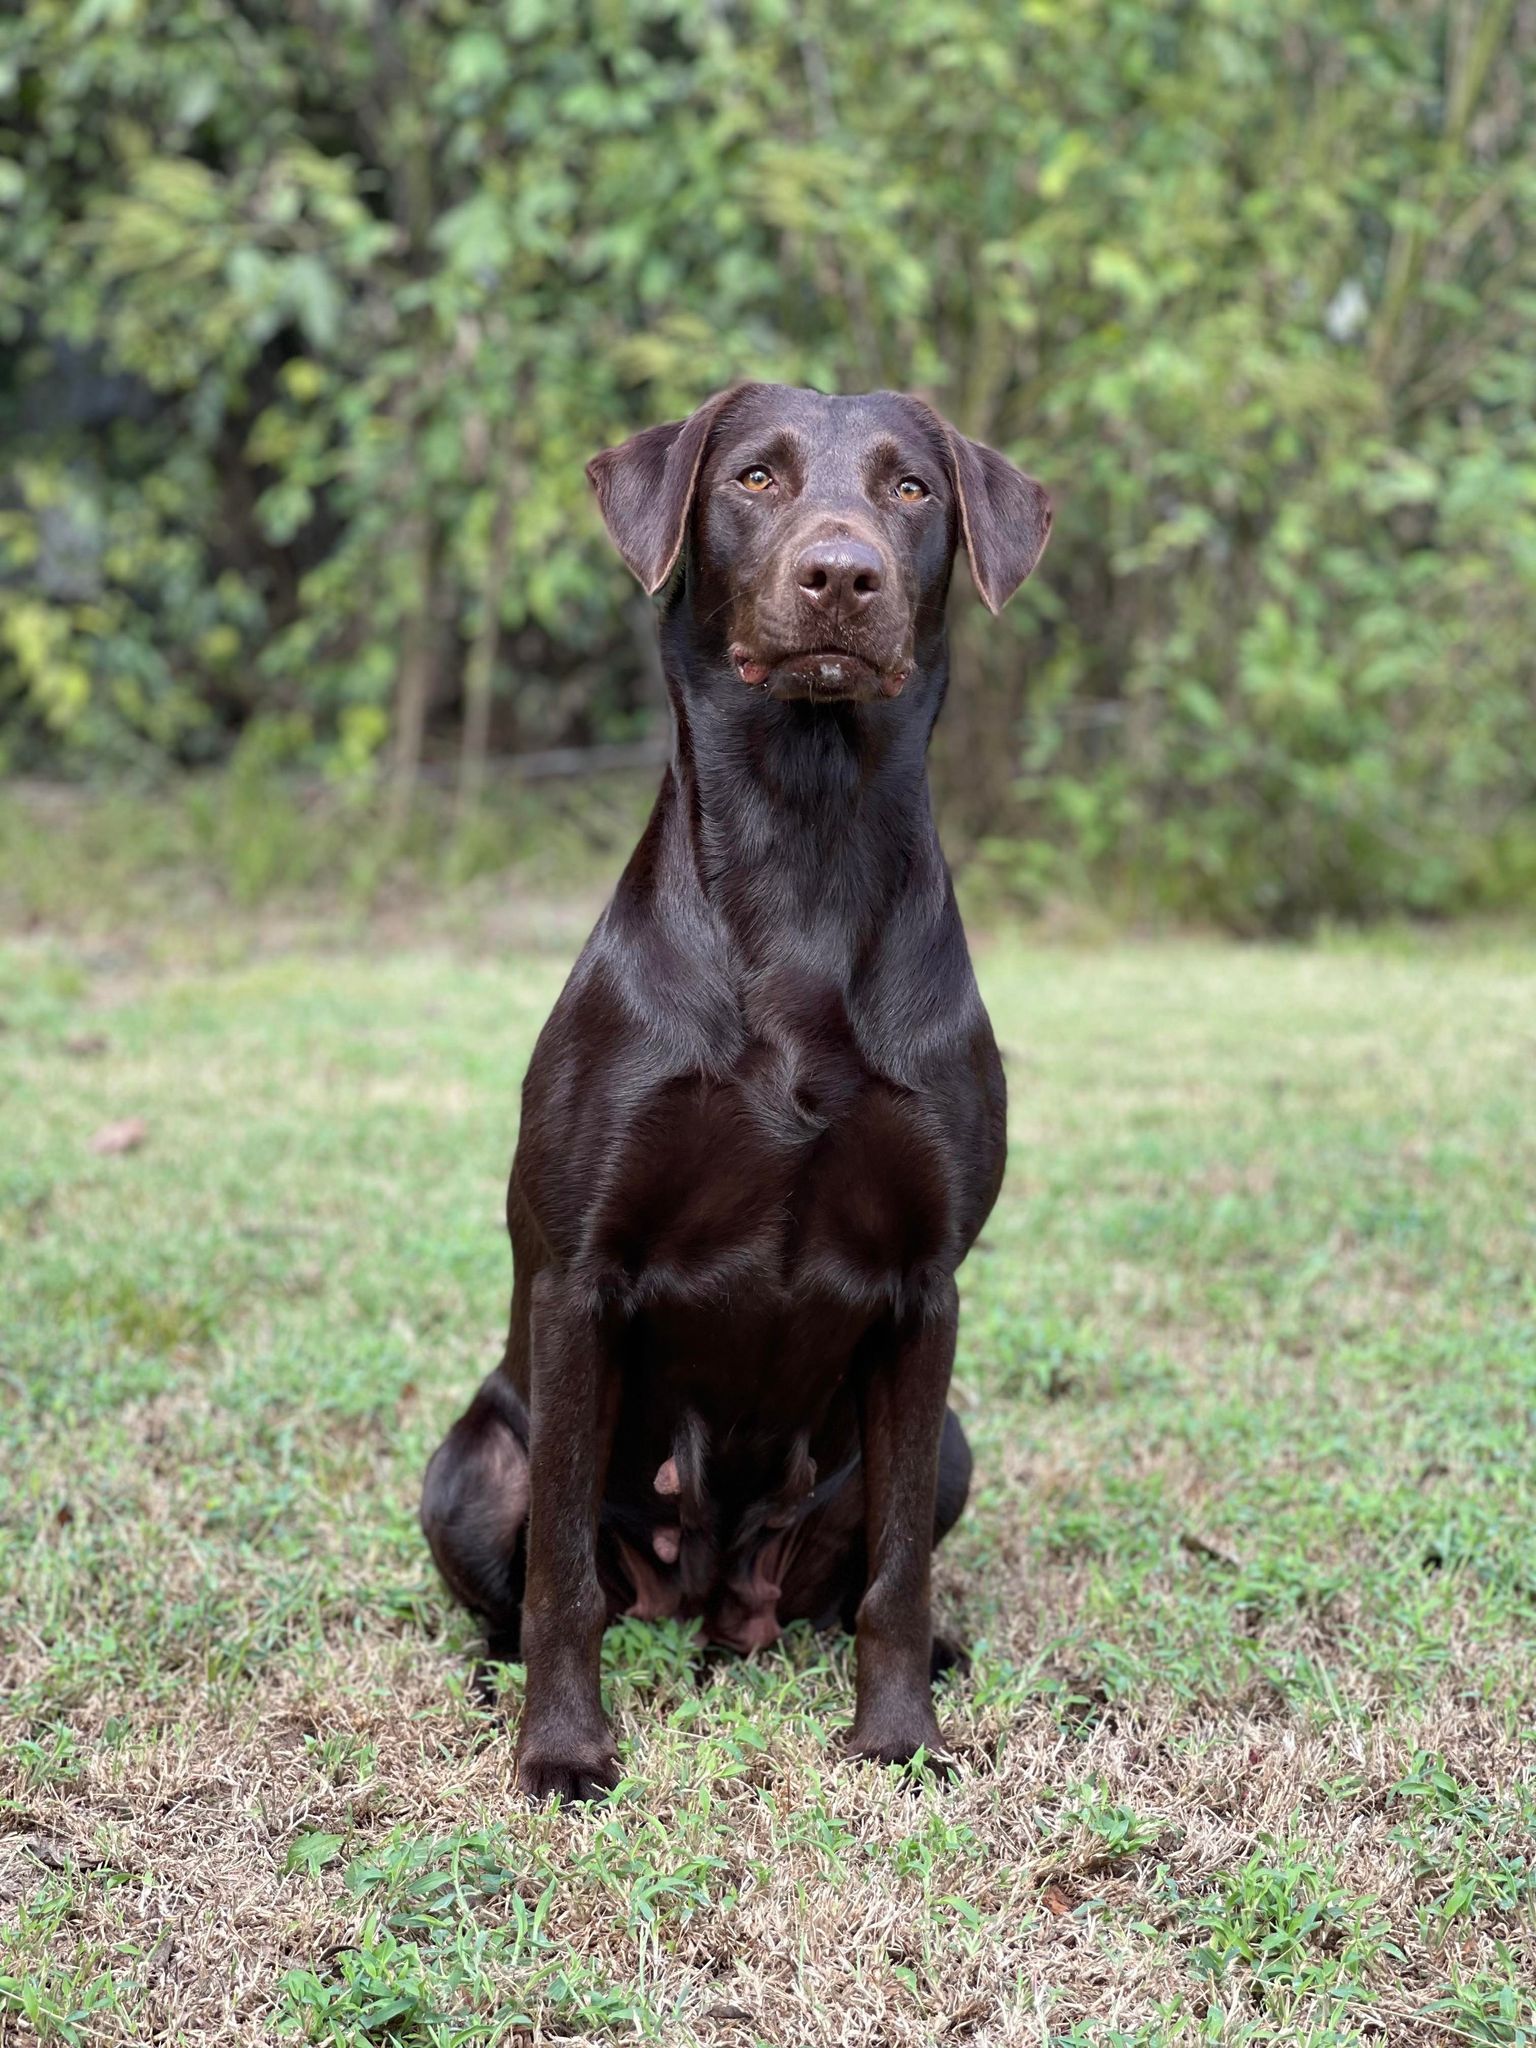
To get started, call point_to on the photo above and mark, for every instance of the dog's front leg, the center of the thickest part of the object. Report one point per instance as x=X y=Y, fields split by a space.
x=566 y=1746
x=904 y=1402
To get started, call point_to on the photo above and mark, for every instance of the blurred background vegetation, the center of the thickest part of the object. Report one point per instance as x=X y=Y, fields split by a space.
x=311 y=312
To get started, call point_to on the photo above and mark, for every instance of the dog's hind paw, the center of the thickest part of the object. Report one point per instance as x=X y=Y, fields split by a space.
x=948 y=1655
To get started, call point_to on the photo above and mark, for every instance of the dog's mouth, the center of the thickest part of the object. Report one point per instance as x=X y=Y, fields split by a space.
x=825 y=675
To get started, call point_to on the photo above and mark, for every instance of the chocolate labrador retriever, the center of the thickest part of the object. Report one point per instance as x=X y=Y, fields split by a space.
x=765 y=1120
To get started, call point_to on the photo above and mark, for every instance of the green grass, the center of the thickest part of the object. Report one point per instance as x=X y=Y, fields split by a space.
x=1249 y=1363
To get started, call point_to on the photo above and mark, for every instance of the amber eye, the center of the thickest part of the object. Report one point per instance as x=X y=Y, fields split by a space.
x=756 y=478
x=910 y=489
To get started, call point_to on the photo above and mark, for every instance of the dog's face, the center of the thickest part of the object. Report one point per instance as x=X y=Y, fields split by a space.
x=820 y=531
x=823 y=526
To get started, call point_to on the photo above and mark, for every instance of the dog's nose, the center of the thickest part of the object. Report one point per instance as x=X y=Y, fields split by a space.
x=839 y=575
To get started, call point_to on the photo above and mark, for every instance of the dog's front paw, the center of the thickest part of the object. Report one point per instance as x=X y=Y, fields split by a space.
x=896 y=1739
x=558 y=1766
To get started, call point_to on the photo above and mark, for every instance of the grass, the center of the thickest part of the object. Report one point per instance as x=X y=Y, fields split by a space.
x=1249 y=1363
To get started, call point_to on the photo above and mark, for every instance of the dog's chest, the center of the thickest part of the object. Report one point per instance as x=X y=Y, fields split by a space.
x=797 y=1175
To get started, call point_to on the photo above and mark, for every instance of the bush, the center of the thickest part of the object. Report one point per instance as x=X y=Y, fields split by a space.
x=310 y=317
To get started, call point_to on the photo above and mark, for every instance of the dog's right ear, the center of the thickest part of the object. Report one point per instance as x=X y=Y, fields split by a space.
x=645 y=489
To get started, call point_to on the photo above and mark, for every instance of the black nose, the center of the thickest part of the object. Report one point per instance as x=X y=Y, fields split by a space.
x=839 y=575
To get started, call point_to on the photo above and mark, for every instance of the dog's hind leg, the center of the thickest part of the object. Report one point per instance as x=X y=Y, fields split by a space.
x=955 y=1463
x=829 y=1570
x=474 y=1512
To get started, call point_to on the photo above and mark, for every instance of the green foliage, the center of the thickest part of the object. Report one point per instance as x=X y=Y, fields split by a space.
x=1274 y=1916
x=310 y=318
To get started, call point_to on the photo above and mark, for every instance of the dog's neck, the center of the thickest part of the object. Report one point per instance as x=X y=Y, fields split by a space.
x=800 y=815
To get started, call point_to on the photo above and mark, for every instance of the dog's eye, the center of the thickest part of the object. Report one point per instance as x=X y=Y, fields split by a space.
x=911 y=490
x=756 y=478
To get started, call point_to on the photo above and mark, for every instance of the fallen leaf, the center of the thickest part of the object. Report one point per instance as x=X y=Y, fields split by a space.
x=126 y=1136
x=1055 y=1900
x=54 y=1853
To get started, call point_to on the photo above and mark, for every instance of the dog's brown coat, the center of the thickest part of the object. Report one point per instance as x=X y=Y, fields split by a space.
x=765 y=1120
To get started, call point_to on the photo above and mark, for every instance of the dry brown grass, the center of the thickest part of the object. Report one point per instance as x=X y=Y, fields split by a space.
x=1247 y=1752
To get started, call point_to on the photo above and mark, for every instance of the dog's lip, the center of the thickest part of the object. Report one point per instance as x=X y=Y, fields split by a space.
x=829 y=671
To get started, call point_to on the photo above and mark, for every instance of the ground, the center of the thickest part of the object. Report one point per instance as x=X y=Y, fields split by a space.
x=1248 y=1363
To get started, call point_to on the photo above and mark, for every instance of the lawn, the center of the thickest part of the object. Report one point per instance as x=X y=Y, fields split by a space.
x=1248 y=1358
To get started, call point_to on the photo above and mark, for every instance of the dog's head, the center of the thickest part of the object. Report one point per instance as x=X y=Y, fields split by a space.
x=819 y=532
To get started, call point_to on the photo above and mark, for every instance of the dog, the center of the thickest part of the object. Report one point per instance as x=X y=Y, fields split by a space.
x=765 y=1120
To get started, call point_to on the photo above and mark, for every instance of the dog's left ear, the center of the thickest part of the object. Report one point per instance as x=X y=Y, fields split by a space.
x=645 y=489
x=1005 y=518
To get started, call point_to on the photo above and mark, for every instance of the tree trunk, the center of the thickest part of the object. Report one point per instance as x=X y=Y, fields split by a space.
x=480 y=669
x=975 y=753
x=415 y=678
